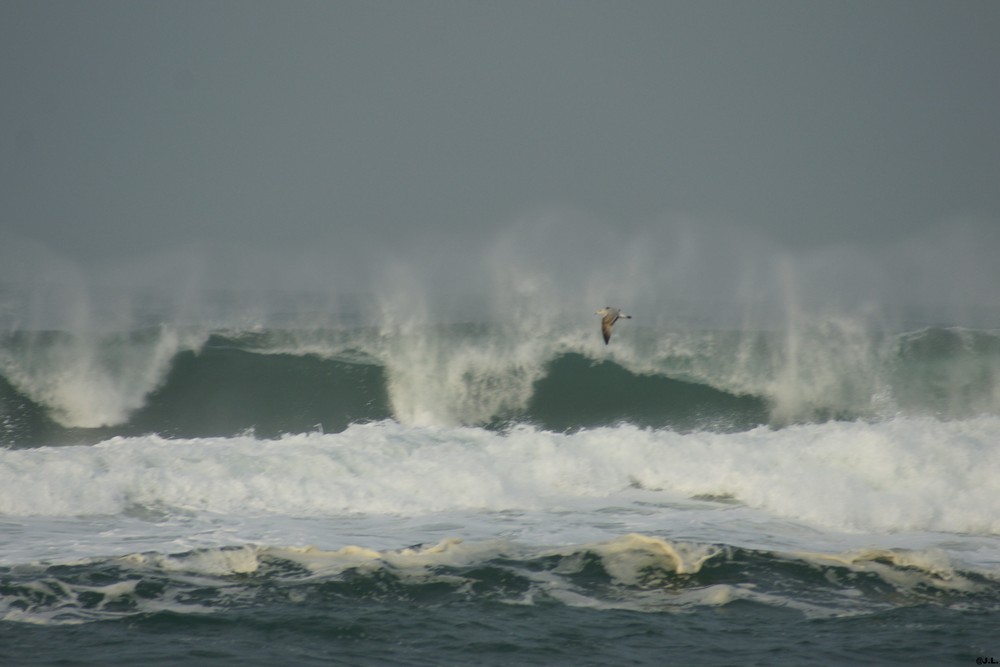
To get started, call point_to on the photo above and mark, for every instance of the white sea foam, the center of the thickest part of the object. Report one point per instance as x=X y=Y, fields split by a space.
x=900 y=475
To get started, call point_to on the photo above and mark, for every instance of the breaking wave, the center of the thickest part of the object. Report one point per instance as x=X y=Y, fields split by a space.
x=59 y=389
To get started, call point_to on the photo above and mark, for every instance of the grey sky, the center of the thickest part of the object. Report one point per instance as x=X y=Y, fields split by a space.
x=130 y=128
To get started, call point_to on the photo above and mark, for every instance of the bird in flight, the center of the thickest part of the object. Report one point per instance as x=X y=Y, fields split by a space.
x=610 y=316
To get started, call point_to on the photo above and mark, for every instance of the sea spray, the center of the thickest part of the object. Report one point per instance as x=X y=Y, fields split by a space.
x=466 y=339
x=91 y=379
x=442 y=373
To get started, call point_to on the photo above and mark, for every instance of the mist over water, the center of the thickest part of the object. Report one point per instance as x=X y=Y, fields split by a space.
x=544 y=266
x=466 y=329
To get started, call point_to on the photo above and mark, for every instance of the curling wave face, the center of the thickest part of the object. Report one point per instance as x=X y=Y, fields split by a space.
x=59 y=388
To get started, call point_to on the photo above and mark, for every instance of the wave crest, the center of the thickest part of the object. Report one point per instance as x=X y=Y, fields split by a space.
x=58 y=388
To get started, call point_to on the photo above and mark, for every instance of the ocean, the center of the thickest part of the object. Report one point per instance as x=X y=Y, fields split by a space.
x=499 y=491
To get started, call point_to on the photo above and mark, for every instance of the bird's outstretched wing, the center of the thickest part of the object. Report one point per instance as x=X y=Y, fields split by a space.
x=609 y=317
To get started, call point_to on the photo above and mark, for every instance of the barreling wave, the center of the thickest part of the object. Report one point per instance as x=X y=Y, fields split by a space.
x=59 y=389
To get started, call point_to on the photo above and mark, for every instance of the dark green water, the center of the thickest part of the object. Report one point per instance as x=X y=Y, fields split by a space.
x=740 y=607
x=418 y=633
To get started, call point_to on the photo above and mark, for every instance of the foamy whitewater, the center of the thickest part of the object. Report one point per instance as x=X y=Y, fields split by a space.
x=387 y=487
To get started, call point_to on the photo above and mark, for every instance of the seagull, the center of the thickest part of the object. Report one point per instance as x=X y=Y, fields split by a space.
x=610 y=316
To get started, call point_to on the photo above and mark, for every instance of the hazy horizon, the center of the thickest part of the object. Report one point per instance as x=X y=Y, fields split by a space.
x=648 y=151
